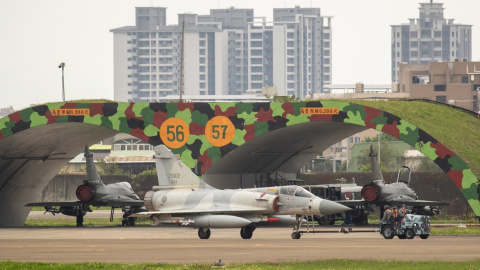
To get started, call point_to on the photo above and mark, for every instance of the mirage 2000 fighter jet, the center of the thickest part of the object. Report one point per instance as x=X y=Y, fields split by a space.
x=183 y=198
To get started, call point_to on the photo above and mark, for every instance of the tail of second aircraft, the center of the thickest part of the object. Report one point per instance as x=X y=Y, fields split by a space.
x=92 y=174
x=171 y=171
x=376 y=172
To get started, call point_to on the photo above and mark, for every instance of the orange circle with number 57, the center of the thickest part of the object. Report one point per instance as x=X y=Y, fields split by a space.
x=219 y=131
x=174 y=132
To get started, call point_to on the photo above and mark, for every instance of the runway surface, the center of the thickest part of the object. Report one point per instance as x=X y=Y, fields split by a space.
x=181 y=245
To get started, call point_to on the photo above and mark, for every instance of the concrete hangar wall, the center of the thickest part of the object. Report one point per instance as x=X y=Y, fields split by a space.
x=230 y=144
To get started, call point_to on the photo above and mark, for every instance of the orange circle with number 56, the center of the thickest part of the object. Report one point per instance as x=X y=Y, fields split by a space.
x=219 y=131
x=174 y=132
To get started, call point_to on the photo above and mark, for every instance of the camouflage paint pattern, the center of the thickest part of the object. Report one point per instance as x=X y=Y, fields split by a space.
x=250 y=120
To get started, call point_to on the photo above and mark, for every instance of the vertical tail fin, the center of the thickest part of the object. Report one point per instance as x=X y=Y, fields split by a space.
x=92 y=174
x=172 y=172
x=376 y=172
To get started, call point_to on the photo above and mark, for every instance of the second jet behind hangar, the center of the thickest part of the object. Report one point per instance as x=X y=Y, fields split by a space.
x=183 y=198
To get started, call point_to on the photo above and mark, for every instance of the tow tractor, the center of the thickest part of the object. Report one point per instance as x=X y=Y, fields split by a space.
x=310 y=228
x=410 y=226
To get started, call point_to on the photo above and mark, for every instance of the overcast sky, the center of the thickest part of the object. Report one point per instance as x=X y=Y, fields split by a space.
x=36 y=35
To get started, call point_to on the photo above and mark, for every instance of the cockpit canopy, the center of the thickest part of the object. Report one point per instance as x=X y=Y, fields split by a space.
x=296 y=191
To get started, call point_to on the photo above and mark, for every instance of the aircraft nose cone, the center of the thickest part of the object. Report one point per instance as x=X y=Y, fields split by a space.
x=330 y=207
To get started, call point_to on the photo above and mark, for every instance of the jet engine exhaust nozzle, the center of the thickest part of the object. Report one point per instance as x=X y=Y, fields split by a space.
x=84 y=193
x=369 y=193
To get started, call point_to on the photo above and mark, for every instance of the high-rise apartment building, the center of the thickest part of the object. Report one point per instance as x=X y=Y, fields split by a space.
x=227 y=52
x=430 y=38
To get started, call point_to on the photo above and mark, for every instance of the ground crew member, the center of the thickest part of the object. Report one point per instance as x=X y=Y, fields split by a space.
x=402 y=212
x=394 y=216
x=387 y=215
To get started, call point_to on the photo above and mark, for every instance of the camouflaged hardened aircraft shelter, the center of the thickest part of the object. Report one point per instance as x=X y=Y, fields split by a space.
x=229 y=143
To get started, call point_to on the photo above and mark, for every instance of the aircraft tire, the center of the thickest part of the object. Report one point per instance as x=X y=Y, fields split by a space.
x=409 y=233
x=424 y=236
x=401 y=236
x=296 y=235
x=203 y=234
x=326 y=220
x=131 y=221
x=246 y=232
x=387 y=232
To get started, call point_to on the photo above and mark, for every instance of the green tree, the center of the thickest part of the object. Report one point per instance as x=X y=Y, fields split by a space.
x=109 y=168
x=383 y=137
x=388 y=156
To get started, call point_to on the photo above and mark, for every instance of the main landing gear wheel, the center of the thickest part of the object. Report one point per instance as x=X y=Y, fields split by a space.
x=203 y=234
x=296 y=235
x=326 y=220
x=246 y=232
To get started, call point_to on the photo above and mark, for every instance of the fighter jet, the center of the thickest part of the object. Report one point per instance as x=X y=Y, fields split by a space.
x=395 y=194
x=183 y=198
x=93 y=192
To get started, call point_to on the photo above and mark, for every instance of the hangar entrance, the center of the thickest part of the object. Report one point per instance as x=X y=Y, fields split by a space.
x=278 y=154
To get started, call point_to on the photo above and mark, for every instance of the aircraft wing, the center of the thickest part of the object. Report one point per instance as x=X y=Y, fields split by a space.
x=124 y=202
x=351 y=203
x=199 y=211
x=50 y=204
x=411 y=202
x=110 y=203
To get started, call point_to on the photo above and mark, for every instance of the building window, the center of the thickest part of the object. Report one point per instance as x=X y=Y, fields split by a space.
x=464 y=79
x=256 y=43
x=426 y=34
x=256 y=61
x=256 y=35
x=256 y=69
x=413 y=34
x=439 y=87
x=256 y=52
x=442 y=99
